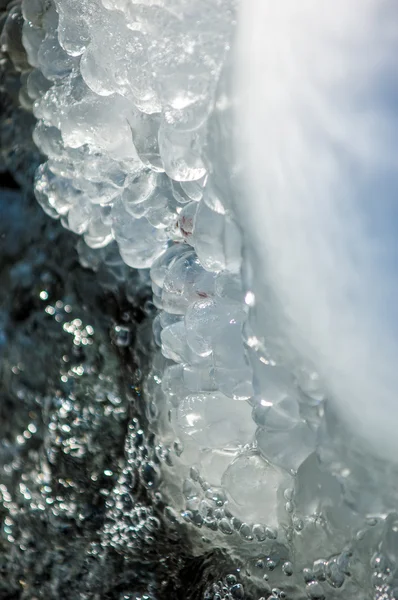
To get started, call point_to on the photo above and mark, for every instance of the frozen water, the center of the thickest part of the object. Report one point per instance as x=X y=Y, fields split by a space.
x=202 y=417
x=287 y=448
x=186 y=281
x=315 y=489
x=253 y=485
x=134 y=113
x=217 y=240
x=200 y=320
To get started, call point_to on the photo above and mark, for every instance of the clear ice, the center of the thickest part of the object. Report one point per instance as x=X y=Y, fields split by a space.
x=241 y=441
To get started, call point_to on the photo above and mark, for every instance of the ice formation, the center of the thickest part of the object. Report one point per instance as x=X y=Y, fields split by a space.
x=134 y=102
x=125 y=141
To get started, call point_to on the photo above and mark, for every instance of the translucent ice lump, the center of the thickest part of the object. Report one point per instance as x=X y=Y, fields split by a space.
x=127 y=97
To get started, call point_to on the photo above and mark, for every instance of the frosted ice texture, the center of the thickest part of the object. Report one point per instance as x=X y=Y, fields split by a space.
x=123 y=124
x=125 y=93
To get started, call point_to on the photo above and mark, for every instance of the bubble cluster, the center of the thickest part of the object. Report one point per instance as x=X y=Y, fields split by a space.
x=226 y=589
x=63 y=411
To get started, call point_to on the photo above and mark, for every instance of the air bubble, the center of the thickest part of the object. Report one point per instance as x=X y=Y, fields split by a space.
x=287 y=568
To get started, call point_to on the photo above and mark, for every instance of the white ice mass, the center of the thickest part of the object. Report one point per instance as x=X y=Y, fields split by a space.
x=318 y=84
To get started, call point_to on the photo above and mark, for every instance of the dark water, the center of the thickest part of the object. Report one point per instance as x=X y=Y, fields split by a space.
x=78 y=504
x=81 y=516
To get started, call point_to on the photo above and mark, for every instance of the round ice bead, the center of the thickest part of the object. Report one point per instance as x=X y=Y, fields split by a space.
x=229 y=286
x=52 y=59
x=145 y=255
x=185 y=282
x=96 y=72
x=156 y=203
x=235 y=383
x=175 y=347
x=134 y=75
x=162 y=215
x=287 y=448
x=271 y=380
x=214 y=462
x=37 y=84
x=217 y=240
x=208 y=419
x=217 y=327
x=138 y=210
x=140 y=243
x=255 y=489
x=181 y=154
x=63 y=168
x=179 y=193
x=207 y=321
x=173 y=384
x=277 y=399
x=145 y=130
x=231 y=369
x=194 y=189
x=98 y=234
x=74 y=40
x=88 y=258
x=201 y=321
x=199 y=379
x=188 y=118
x=33 y=11
x=161 y=266
x=74 y=25
x=32 y=38
x=101 y=193
x=79 y=217
x=174 y=344
x=100 y=168
x=167 y=319
x=56 y=195
x=48 y=139
x=139 y=187
x=146 y=99
x=99 y=121
x=122 y=225
x=185 y=90
x=279 y=414
x=186 y=220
